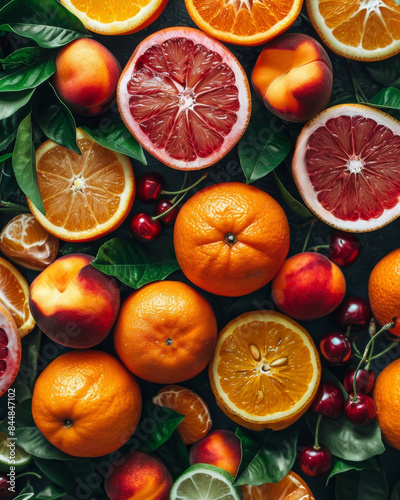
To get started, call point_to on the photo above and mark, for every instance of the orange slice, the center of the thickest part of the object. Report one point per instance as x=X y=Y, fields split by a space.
x=244 y=22
x=85 y=196
x=14 y=297
x=291 y=487
x=358 y=29
x=112 y=17
x=265 y=370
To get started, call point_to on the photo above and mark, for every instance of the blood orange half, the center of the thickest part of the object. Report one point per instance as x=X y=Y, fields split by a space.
x=10 y=350
x=347 y=167
x=185 y=97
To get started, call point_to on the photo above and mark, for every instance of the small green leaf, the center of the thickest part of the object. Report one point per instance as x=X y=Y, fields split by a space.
x=341 y=466
x=28 y=76
x=24 y=163
x=364 y=485
x=9 y=127
x=174 y=453
x=50 y=493
x=387 y=73
x=135 y=264
x=297 y=207
x=119 y=139
x=395 y=492
x=387 y=99
x=22 y=390
x=23 y=57
x=261 y=151
x=11 y=102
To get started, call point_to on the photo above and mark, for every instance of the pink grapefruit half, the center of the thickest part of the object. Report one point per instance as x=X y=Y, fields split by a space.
x=10 y=350
x=347 y=167
x=185 y=97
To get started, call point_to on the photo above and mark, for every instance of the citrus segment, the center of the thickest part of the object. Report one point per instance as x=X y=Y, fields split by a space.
x=265 y=371
x=347 y=169
x=10 y=350
x=364 y=30
x=14 y=296
x=185 y=97
x=291 y=487
x=244 y=22
x=84 y=196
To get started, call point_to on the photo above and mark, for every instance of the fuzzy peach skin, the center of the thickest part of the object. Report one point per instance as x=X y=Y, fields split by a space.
x=308 y=286
x=86 y=76
x=293 y=77
x=138 y=476
x=73 y=303
x=220 y=448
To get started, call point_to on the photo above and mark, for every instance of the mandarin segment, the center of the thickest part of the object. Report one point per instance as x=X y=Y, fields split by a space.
x=291 y=487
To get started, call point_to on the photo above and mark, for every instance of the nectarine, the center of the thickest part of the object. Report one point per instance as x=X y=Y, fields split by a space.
x=73 y=303
x=293 y=77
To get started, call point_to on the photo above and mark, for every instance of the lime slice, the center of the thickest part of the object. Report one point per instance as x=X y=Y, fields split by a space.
x=15 y=456
x=204 y=482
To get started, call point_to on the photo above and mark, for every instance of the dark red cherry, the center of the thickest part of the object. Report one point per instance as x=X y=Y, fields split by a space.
x=364 y=381
x=328 y=401
x=354 y=311
x=4 y=485
x=344 y=248
x=144 y=228
x=164 y=205
x=336 y=348
x=315 y=461
x=360 y=410
x=149 y=186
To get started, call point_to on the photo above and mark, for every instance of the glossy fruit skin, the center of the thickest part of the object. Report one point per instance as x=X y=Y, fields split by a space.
x=328 y=401
x=315 y=462
x=168 y=219
x=10 y=350
x=364 y=382
x=149 y=187
x=344 y=248
x=336 y=348
x=4 y=485
x=361 y=411
x=354 y=311
x=144 y=228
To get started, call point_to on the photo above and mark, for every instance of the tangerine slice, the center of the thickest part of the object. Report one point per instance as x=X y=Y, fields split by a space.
x=265 y=370
x=291 y=487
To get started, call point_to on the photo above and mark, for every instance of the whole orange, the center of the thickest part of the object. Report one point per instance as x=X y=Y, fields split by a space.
x=384 y=290
x=166 y=332
x=387 y=399
x=86 y=403
x=231 y=238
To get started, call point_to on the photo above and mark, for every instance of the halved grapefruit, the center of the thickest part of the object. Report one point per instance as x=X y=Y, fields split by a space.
x=10 y=350
x=347 y=167
x=185 y=97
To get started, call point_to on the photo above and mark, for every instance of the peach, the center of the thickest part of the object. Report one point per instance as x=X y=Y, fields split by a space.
x=308 y=286
x=86 y=76
x=138 y=476
x=293 y=77
x=73 y=303
x=220 y=448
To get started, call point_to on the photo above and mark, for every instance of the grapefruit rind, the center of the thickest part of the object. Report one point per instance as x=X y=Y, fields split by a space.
x=304 y=184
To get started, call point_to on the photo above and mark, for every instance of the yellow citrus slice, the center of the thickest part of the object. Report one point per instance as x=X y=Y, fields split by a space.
x=291 y=487
x=14 y=297
x=265 y=370
x=364 y=30
x=84 y=196
x=113 y=17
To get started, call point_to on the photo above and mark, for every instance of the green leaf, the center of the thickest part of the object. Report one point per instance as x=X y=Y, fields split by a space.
x=341 y=466
x=267 y=456
x=69 y=248
x=294 y=205
x=24 y=163
x=9 y=127
x=136 y=265
x=387 y=73
x=29 y=358
x=174 y=453
x=47 y=22
x=28 y=76
x=164 y=421
x=50 y=493
x=11 y=102
x=23 y=57
x=25 y=496
x=395 y=492
x=261 y=151
x=388 y=100
x=119 y=139
x=364 y=485
x=22 y=390
x=54 y=118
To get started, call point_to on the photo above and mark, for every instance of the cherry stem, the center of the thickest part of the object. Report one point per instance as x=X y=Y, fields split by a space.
x=360 y=96
x=308 y=234
x=357 y=353
x=348 y=330
x=366 y=352
x=318 y=247
x=155 y=217
x=316 y=442
x=35 y=474
x=185 y=190
x=389 y=348
x=182 y=186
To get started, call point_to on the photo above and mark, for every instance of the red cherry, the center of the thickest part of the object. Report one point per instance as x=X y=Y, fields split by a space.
x=149 y=186
x=364 y=381
x=4 y=485
x=344 y=248
x=354 y=311
x=164 y=205
x=328 y=401
x=360 y=410
x=336 y=348
x=144 y=228
x=315 y=461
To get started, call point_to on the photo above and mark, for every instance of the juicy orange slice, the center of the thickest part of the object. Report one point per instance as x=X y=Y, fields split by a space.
x=14 y=297
x=113 y=17
x=358 y=29
x=265 y=370
x=85 y=196
x=244 y=22
x=291 y=487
